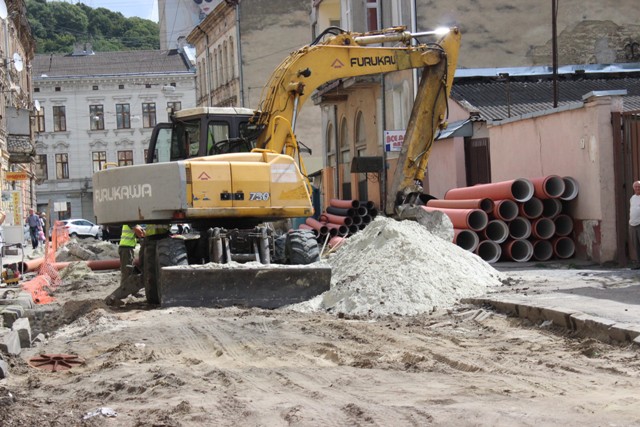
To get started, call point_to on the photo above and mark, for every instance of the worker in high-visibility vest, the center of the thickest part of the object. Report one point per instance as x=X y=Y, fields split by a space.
x=126 y=248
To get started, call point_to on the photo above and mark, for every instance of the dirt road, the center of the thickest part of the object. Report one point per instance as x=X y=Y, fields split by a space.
x=237 y=367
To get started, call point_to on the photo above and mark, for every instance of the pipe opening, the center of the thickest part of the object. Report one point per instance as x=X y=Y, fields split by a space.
x=496 y=230
x=570 y=188
x=506 y=210
x=563 y=247
x=564 y=225
x=551 y=208
x=522 y=190
x=553 y=186
x=467 y=240
x=532 y=208
x=477 y=219
x=519 y=250
x=520 y=228
x=542 y=250
x=489 y=251
x=543 y=228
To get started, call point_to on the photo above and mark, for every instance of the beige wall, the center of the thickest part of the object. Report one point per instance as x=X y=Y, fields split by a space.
x=496 y=33
x=578 y=143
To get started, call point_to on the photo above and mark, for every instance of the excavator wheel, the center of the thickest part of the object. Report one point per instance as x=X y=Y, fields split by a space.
x=158 y=254
x=301 y=247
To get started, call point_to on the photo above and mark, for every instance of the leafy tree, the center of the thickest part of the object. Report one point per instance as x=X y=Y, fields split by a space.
x=57 y=26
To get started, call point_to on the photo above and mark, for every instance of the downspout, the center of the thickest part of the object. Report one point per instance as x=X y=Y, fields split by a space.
x=207 y=72
x=336 y=174
x=239 y=54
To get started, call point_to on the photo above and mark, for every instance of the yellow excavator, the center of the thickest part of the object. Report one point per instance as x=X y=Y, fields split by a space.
x=232 y=173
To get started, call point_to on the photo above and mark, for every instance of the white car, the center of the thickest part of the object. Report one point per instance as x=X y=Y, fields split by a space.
x=82 y=228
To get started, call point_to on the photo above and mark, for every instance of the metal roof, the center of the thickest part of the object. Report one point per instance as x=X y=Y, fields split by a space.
x=500 y=93
x=109 y=64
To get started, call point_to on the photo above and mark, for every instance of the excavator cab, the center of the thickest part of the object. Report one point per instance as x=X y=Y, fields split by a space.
x=199 y=132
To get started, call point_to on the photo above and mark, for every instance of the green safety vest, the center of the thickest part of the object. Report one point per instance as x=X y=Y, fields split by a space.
x=128 y=237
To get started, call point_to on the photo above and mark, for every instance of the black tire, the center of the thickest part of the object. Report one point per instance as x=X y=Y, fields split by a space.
x=301 y=247
x=279 y=251
x=169 y=252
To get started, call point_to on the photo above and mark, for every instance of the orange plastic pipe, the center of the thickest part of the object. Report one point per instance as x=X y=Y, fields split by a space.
x=345 y=204
x=472 y=219
x=548 y=187
x=485 y=204
x=520 y=190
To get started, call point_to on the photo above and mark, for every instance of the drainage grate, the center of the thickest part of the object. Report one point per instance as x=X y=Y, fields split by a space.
x=56 y=362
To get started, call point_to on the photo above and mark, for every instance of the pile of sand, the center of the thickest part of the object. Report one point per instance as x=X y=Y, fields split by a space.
x=399 y=267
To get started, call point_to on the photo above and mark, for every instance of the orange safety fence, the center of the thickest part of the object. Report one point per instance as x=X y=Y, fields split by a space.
x=48 y=278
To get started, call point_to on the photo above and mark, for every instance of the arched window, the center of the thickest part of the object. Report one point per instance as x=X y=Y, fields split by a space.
x=225 y=70
x=331 y=147
x=345 y=159
x=212 y=68
x=232 y=60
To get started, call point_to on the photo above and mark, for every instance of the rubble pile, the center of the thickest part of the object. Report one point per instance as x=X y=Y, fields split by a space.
x=400 y=267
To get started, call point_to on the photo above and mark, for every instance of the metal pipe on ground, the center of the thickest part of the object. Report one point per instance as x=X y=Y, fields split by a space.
x=340 y=229
x=520 y=190
x=496 y=230
x=366 y=219
x=571 y=188
x=542 y=250
x=367 y=204
x=472 y=219
x=466 y=239
x=551 y=208
x=373 y=212
x=354 y=228
x=489 y=251
x=563 y=247
x=564 y=225
x=337 y=219
x=340 y=211
x=548 y=187
x=520 y=228
x=543 y=228
x=532 y=208
x=356 y=220
x=520 y=250
x=345 y=204
x=317 y=225
x=485 y=204
x=362 y=211
x=505 y=209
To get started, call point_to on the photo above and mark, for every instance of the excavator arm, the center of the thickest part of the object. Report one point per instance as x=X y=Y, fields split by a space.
x=353 y=54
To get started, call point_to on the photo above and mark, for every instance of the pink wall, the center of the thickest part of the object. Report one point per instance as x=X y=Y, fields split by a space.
x=574 y=142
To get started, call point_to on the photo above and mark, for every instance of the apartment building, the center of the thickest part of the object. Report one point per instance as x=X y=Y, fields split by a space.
x=16 y=138
x=98 y=109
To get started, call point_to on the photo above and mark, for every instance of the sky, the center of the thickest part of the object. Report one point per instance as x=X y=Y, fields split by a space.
x=147 y=9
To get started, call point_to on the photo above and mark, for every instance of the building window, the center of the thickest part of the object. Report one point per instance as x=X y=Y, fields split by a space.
x=173 y=107
x=96 y=117
x=62 y=166
x=42 y=173
x=57 y=89
x=95 y=88
x=345 y=158
x=148 y=114
x=36 y=89
x=59 y=119
x=40 y=120
x=123 y=116
x=125 y=158
x=372 y=15
x=147 y=86
x=120 y=86
x=331 y=153
x=99 y=159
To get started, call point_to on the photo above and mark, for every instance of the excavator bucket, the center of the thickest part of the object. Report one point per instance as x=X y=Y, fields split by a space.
x=269 y=286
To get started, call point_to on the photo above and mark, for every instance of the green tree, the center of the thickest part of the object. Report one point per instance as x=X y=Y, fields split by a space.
x=57 y=26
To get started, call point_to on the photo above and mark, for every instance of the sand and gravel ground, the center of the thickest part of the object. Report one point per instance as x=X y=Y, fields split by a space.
x=457 y=365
